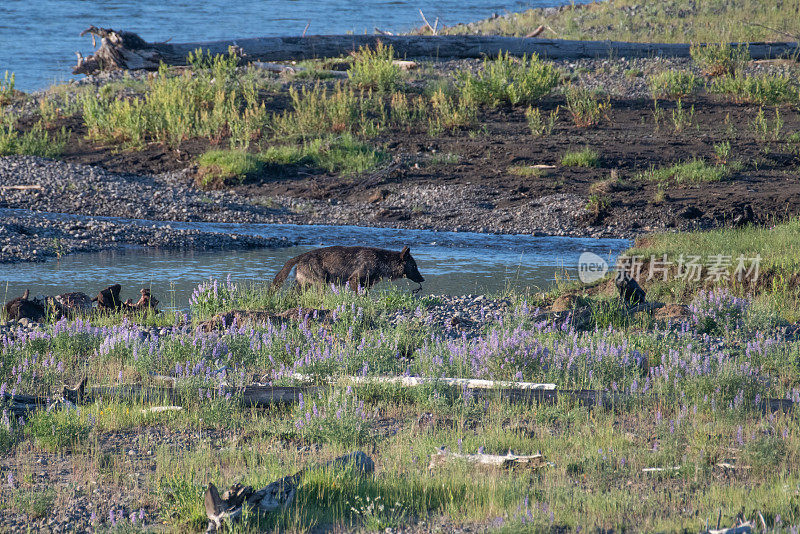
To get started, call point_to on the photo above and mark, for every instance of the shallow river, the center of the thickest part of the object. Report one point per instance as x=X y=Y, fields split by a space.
x=452 y=262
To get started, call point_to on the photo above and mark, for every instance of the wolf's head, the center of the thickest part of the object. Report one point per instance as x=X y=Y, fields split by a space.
x=410 y=270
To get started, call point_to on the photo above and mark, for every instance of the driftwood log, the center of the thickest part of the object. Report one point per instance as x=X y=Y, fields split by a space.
x=126 y=50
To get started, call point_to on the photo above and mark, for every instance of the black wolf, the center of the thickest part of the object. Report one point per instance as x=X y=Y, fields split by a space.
x=359 y=266
x=630 y=292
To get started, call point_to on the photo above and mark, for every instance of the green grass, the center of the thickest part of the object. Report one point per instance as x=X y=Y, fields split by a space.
x=342 y=155
x=672 y=84
x=777 y=287
x=36 y=141
x=586 y=157
x=506 y=80
x=762 y=89
x=693 y=171
x=212 y=101
x=526 y=171
x=685 y=418
x=374 y=69
x=671 y=21
x=227 y=166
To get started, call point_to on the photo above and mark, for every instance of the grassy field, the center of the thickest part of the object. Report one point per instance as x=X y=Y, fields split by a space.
x=672 y=21
x=691 y=406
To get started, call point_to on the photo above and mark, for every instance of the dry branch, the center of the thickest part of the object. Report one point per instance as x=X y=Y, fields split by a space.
x=277 y=495
x=126 y=50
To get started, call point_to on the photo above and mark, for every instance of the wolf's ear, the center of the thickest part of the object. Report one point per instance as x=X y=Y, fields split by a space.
x=405 y=252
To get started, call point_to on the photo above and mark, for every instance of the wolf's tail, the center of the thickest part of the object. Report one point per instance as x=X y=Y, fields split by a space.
x=283 y=274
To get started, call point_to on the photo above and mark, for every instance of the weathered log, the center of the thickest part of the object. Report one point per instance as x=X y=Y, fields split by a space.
x=441 y=457
x=416 y=381
x=263 y=396
x=126 y=50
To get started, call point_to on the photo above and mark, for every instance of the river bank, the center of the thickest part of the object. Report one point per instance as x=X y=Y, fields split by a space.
x=495 y=176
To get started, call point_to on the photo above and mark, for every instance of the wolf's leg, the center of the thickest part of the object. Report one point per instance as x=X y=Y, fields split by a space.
x=356 y=280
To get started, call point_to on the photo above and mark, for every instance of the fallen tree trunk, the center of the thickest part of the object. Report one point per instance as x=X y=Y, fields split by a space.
x=126 y=50
x=263 y=396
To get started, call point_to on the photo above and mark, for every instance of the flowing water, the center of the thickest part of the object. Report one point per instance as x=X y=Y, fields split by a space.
x=39 y=38
x=454 y=263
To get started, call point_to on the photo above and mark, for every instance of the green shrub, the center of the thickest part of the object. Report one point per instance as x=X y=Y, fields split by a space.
x=537 y=123
x=581 y=158
x=719 y=59
x=764 y=89
x=507 y=80
x=450 y=111
x=317 y=111
x=672 y=84
x=7 y=88
x=374 y=69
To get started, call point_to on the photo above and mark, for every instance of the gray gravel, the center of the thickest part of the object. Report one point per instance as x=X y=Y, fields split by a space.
x=28 y=236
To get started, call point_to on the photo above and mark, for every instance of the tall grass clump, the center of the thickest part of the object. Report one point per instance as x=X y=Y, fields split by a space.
x=374 y=68
x=587 y=107
x=507 y=80
x=335 y=154
x=219 y=167
x=719 y=59
x=581 y=158
x=672 y=84
x=35 y=142
x=211 y=102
